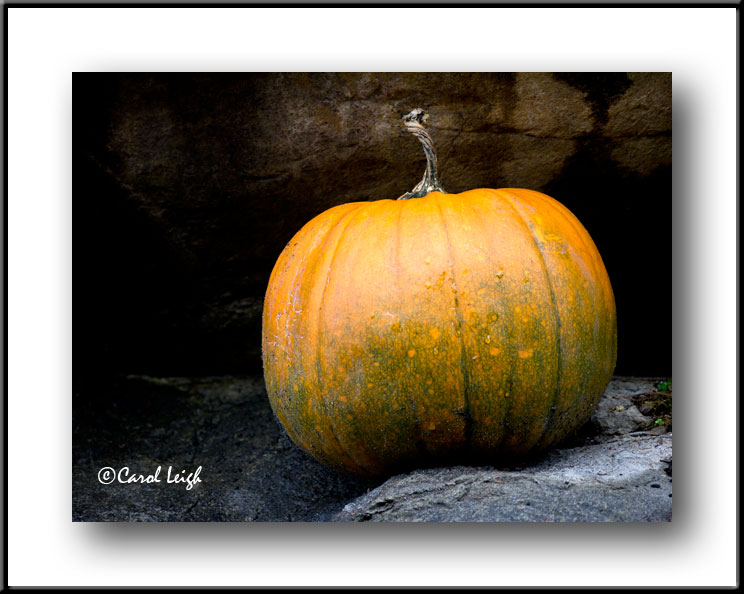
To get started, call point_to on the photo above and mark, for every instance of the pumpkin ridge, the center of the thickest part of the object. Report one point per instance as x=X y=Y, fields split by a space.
x=397 y=267
x=468 y=431
x=504 y=423
x=350 y=216
x=505 y=426
x=554 y=301
x=595 y=266
x=599 y=270
x=278 y=404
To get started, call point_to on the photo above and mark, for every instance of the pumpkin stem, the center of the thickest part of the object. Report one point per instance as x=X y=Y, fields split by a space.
x=430 y=181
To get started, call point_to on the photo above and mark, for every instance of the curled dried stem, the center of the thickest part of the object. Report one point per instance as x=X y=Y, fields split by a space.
x=413 y=122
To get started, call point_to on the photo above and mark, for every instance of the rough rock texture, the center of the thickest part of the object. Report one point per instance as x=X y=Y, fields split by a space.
x=252 y=472
x=187 y=187
x=623 y=480
x=616 y=414
x=250 y=469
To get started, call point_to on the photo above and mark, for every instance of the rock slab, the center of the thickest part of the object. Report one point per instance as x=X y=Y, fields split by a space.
x=623 y=480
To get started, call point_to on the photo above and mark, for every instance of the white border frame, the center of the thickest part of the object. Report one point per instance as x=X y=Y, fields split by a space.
x=46 y=44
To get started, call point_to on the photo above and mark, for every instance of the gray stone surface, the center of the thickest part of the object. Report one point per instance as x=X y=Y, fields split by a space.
x=623 y=480
x=252 y=472
x=616 y=414
x=250 y=469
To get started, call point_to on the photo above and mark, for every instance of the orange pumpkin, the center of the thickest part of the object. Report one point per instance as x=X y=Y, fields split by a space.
x=437 y=328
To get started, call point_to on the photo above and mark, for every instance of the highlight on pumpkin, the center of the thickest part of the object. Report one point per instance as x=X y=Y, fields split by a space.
x=467 y=328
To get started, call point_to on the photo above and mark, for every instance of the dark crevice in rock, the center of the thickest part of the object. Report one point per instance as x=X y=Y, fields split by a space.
x=601 y=88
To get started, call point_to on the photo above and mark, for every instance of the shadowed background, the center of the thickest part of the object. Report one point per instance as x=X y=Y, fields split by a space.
x=187 y=187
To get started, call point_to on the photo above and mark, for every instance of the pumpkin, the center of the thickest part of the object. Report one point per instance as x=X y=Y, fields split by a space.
x=437 y=328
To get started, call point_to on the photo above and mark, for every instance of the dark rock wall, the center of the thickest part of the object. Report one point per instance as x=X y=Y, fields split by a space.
x=186 y=187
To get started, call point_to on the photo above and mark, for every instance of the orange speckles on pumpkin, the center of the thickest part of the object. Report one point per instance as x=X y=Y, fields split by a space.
x=526 y=353
x=412 y=353
x=494 y=351
x=435 y=333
